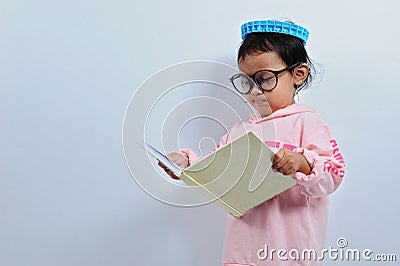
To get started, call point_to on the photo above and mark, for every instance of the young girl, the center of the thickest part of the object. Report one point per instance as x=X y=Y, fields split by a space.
x=289 y=229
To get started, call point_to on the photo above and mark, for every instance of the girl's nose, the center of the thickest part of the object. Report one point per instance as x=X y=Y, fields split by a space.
x=256 y=91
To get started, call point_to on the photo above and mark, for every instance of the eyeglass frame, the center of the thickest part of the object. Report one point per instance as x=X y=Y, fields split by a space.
x=254 y=81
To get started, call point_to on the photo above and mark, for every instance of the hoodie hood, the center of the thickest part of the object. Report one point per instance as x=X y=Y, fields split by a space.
x=293 y=109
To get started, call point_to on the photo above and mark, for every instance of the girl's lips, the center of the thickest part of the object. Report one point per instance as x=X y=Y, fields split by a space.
x=263 y=101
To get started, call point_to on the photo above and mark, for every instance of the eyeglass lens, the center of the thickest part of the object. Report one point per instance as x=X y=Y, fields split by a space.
x=265 y=79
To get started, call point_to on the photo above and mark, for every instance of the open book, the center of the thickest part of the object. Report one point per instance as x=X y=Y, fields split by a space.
x=237 y=177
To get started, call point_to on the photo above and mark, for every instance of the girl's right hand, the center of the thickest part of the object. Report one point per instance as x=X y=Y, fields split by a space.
x=179 y=159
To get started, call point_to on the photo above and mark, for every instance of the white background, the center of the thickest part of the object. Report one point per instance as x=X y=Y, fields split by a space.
x=67 y=72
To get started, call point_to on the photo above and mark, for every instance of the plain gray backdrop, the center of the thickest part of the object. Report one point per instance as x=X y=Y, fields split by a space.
x=67 y=72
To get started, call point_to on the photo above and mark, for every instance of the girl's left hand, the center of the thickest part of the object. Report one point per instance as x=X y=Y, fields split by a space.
x=288 y=162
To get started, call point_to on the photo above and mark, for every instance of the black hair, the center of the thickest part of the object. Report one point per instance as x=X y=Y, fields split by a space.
x=290 y=49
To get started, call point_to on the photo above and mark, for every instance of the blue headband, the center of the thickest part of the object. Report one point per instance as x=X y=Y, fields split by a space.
x=275 y=26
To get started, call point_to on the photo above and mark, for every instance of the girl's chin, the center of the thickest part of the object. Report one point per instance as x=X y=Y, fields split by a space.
x=262 y=107
x=263 y=112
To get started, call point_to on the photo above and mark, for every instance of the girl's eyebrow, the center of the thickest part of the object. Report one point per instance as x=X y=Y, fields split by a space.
x=255 y=72
x=248 y=74
x=264 y=68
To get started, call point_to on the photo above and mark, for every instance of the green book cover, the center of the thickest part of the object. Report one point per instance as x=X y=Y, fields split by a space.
x=237 y=177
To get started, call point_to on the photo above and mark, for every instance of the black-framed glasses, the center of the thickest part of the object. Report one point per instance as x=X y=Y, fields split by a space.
x=266 y=80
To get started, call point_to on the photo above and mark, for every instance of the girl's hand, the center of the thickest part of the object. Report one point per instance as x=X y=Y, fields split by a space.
x=179 y=159
x=288 y=162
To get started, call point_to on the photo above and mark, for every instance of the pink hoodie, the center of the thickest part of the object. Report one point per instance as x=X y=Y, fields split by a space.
x=296 y=220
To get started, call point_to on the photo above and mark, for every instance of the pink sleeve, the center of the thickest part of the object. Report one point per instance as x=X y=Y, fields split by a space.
x=191 y=155
x=322 y=153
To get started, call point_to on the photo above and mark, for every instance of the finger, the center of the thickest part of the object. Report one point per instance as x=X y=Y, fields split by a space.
x=179 y=159
x=174 y=156
x=169 y=172
x=171 y=156
x=288 y=172
x=286 y=169
x=172 y=175
x=162 y=165
x=278 y=156
x=279 y=164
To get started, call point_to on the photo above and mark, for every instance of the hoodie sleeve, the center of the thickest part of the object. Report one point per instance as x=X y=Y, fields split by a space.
x=322 y=153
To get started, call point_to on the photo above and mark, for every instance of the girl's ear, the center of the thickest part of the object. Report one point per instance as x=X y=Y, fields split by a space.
x=300 y=74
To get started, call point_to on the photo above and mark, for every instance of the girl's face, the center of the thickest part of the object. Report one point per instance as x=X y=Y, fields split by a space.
x=283 y=94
